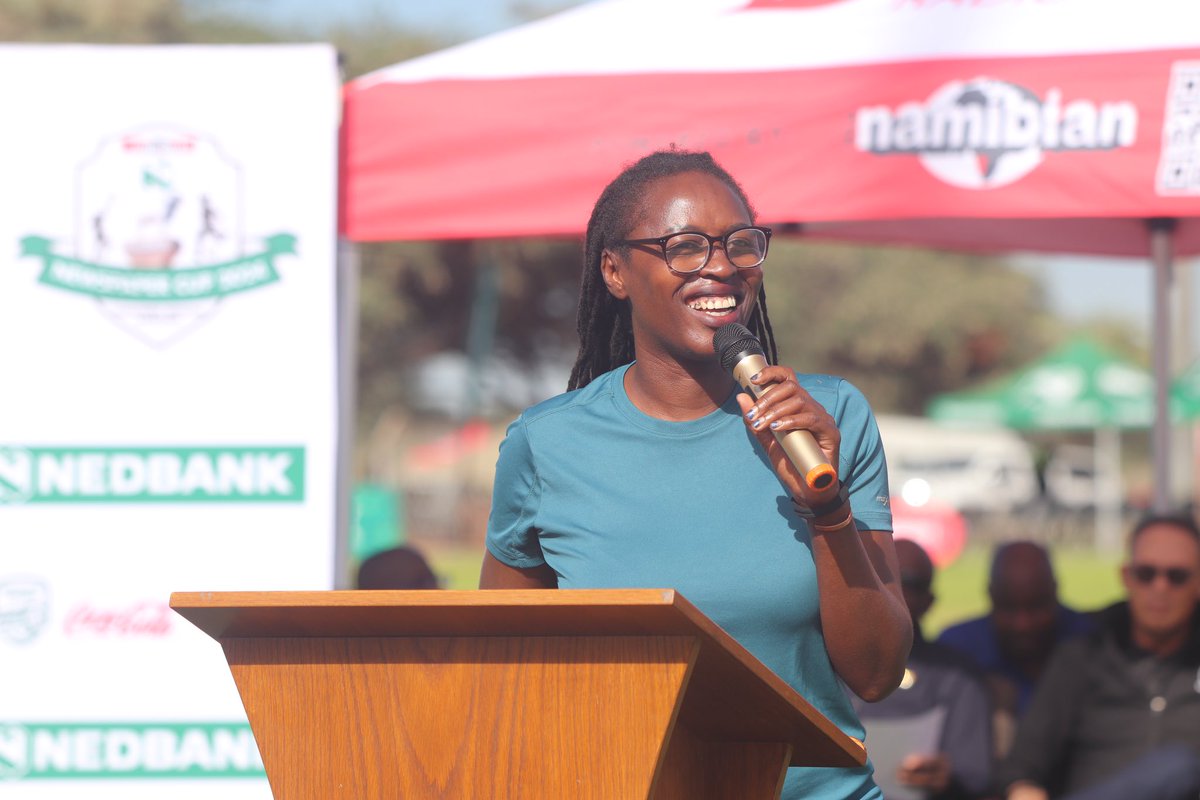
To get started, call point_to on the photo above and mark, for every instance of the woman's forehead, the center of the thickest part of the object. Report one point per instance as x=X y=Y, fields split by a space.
x=678 y=201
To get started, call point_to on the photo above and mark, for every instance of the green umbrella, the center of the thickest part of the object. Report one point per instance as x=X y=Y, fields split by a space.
x=1079 y=386
x=1185 y=393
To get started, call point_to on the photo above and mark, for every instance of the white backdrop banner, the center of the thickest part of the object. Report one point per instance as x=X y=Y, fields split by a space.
x=167 y=398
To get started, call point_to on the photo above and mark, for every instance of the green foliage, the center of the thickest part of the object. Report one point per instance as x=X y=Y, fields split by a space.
x=373 y=43
x=117 y=22
x=902 y=324
x=416 y=299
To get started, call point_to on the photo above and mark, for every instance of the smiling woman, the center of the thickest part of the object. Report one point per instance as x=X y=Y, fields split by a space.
x=654 y=471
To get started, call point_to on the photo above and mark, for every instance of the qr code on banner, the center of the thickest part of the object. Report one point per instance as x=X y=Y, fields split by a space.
x=1179 y=167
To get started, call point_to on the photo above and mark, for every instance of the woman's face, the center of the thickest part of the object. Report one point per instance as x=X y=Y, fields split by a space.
x=675 y=315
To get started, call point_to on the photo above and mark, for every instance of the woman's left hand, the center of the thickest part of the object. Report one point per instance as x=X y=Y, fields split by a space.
x=786 y=406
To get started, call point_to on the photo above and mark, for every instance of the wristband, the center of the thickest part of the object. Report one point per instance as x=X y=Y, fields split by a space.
x=826 y=508
x=837 y=526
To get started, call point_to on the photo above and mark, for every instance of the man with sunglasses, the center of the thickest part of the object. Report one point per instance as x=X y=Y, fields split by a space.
x=1117 y=713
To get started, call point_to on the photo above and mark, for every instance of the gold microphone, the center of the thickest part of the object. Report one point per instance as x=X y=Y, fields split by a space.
x=742 y=354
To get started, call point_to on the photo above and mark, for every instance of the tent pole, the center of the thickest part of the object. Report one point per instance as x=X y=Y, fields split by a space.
x=347 y=400
x=481 y=327
x=1106 y=476
x=1161 y=251
x=345 y=333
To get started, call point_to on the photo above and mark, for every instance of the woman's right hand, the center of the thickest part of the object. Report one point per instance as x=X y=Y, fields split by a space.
x=786 y=407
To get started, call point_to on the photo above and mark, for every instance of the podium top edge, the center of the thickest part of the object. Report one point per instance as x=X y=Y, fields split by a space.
x=429 y=598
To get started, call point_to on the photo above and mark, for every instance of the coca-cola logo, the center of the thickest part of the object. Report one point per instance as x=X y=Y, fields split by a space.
x=144 y=618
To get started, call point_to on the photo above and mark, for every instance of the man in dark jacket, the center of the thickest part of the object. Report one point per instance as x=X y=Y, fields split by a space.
x=1117 y=712
x=1013 y=642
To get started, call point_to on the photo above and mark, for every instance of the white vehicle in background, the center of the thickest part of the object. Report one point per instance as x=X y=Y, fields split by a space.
x=1073 y=476
x=967 y=468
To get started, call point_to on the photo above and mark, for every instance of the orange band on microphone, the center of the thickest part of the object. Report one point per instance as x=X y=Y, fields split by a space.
x=821 y=476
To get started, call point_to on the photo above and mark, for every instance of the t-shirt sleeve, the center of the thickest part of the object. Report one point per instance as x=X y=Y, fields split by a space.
x=863 y=467
x=516 y=492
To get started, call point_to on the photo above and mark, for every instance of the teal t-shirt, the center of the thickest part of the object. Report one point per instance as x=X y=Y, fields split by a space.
x=610 y=497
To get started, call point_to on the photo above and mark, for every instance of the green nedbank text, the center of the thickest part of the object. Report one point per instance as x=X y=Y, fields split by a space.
x=38 y=751
x=151 y=474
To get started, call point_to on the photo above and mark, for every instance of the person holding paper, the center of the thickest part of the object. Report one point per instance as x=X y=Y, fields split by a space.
x=934 y=730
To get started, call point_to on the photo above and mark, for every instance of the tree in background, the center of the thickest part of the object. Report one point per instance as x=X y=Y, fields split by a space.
x=903 y=324
x=367 y=45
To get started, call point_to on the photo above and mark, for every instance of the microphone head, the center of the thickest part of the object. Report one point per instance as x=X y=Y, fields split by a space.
x=734 y=340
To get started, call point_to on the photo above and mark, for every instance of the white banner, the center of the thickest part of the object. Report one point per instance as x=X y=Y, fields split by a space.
x=168 y=397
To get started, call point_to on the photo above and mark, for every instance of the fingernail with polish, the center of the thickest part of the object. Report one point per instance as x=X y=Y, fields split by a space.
x=774 y=424
x=757 y=425
x=754 y=377
x=752 y=413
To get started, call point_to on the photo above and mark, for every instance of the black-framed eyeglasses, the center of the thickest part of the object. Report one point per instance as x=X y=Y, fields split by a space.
x=690 y=251
x=1146 y=574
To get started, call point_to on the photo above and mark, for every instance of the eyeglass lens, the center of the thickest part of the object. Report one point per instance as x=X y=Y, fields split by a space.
x=1146 y=573
x=688 y=252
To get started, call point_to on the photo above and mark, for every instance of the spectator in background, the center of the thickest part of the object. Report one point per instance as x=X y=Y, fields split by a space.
x=935 y=677
x=1013 y=643
x=396 y=568
x=1117 y=713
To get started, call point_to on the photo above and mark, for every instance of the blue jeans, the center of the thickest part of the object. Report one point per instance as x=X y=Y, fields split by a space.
x=1170 y=772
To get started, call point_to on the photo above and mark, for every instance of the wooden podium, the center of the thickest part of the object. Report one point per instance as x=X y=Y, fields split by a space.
x=508 y=694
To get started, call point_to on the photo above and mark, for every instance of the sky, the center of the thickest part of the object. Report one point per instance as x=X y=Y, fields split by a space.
x=1077 y=288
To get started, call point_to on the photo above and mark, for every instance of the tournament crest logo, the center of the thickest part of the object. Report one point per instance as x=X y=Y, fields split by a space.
x=158 y=234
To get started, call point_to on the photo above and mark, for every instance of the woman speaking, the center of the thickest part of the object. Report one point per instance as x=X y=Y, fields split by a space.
x=655 y=469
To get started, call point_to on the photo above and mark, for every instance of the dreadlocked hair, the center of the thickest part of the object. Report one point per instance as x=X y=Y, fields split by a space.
x=603 y=321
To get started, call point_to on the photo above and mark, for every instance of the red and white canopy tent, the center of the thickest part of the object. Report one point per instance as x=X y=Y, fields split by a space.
x=1066 y=126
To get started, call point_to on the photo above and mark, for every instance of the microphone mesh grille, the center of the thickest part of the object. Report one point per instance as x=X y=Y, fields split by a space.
x=732 y=340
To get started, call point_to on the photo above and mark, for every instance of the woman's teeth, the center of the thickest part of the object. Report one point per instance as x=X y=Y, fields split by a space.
x=712 y=303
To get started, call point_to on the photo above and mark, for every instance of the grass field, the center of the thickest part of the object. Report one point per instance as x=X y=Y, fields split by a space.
x=1086 y=580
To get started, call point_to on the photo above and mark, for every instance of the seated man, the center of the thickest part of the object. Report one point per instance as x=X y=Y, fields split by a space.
x=1012 y=644
x=935 y=677
x=1117 y=713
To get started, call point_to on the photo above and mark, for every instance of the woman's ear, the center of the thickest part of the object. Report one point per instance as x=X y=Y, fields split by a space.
x=612 y=275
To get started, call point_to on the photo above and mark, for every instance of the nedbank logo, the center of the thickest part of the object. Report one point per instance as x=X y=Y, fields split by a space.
x=158 y=237
x=151 y=475
x=127 y=750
